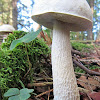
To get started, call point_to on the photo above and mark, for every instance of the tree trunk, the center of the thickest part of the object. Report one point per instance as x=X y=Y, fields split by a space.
x=98 y=36
x=14 y=13
x=90 y=35
x=89 y=32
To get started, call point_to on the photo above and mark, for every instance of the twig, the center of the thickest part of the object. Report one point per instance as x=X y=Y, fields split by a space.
x=79 y=53
x=49 y=93
x=41 y=79
x=83 y=90
x=82 y=74
x=97 y=78
x=90 y=60
x=39 y=84
x=89 y=96
x=86 y=69
x=45 y=73
x=88 y=83
x=22 y=25
x=44 y=93
x=51 y=90
x=98 y=52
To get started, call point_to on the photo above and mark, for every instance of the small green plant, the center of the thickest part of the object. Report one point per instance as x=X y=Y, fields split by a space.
x=16 y=94
x=79 y=70
x=15 y=64
x=26 y=38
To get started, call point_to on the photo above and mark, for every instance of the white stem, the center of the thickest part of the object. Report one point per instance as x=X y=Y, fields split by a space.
x=64 y=80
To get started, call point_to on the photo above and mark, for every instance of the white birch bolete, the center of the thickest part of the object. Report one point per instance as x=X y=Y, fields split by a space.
x=63 y=16
x=5 y=29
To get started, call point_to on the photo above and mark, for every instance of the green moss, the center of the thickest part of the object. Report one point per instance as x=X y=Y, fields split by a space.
x=94 y=67
x=79 y=70
x=81 y=46
x=15 y=64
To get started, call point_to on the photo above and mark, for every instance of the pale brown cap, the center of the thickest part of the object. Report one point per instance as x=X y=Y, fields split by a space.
x=76 y=13
x=6 y=28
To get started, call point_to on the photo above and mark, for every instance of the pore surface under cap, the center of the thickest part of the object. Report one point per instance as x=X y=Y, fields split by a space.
x=76 y=13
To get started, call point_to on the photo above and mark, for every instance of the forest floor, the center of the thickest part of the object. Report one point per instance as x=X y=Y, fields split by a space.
x=86 y=61
x=37 y=73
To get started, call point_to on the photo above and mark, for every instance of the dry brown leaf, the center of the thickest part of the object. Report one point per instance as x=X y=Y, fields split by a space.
x=95 y=95
x=89 y=84
x=42 y=35
x=48 y=39
x=96 y=70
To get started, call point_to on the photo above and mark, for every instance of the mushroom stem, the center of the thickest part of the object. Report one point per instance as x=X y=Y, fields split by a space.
x=64 y=80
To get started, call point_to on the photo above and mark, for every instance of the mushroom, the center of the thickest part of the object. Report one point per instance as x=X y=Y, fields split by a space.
x=5 y=29
x=62 y=17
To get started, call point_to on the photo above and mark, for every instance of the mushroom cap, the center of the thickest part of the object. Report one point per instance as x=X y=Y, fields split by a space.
x=76 y=13
x=6 y=28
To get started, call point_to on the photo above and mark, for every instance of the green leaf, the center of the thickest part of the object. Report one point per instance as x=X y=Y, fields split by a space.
x=26 y=39
x=14 y=98
x=11 y=92
x=24 y=96
x=20 y=97
x=15 y=43
x=26 y=91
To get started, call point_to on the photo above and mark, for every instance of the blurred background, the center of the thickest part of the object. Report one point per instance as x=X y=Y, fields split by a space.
x=18 y=14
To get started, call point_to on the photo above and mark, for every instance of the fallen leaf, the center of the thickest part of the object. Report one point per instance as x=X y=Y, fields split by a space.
x=89 y=84
x=48 y=39
x=95 y=95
